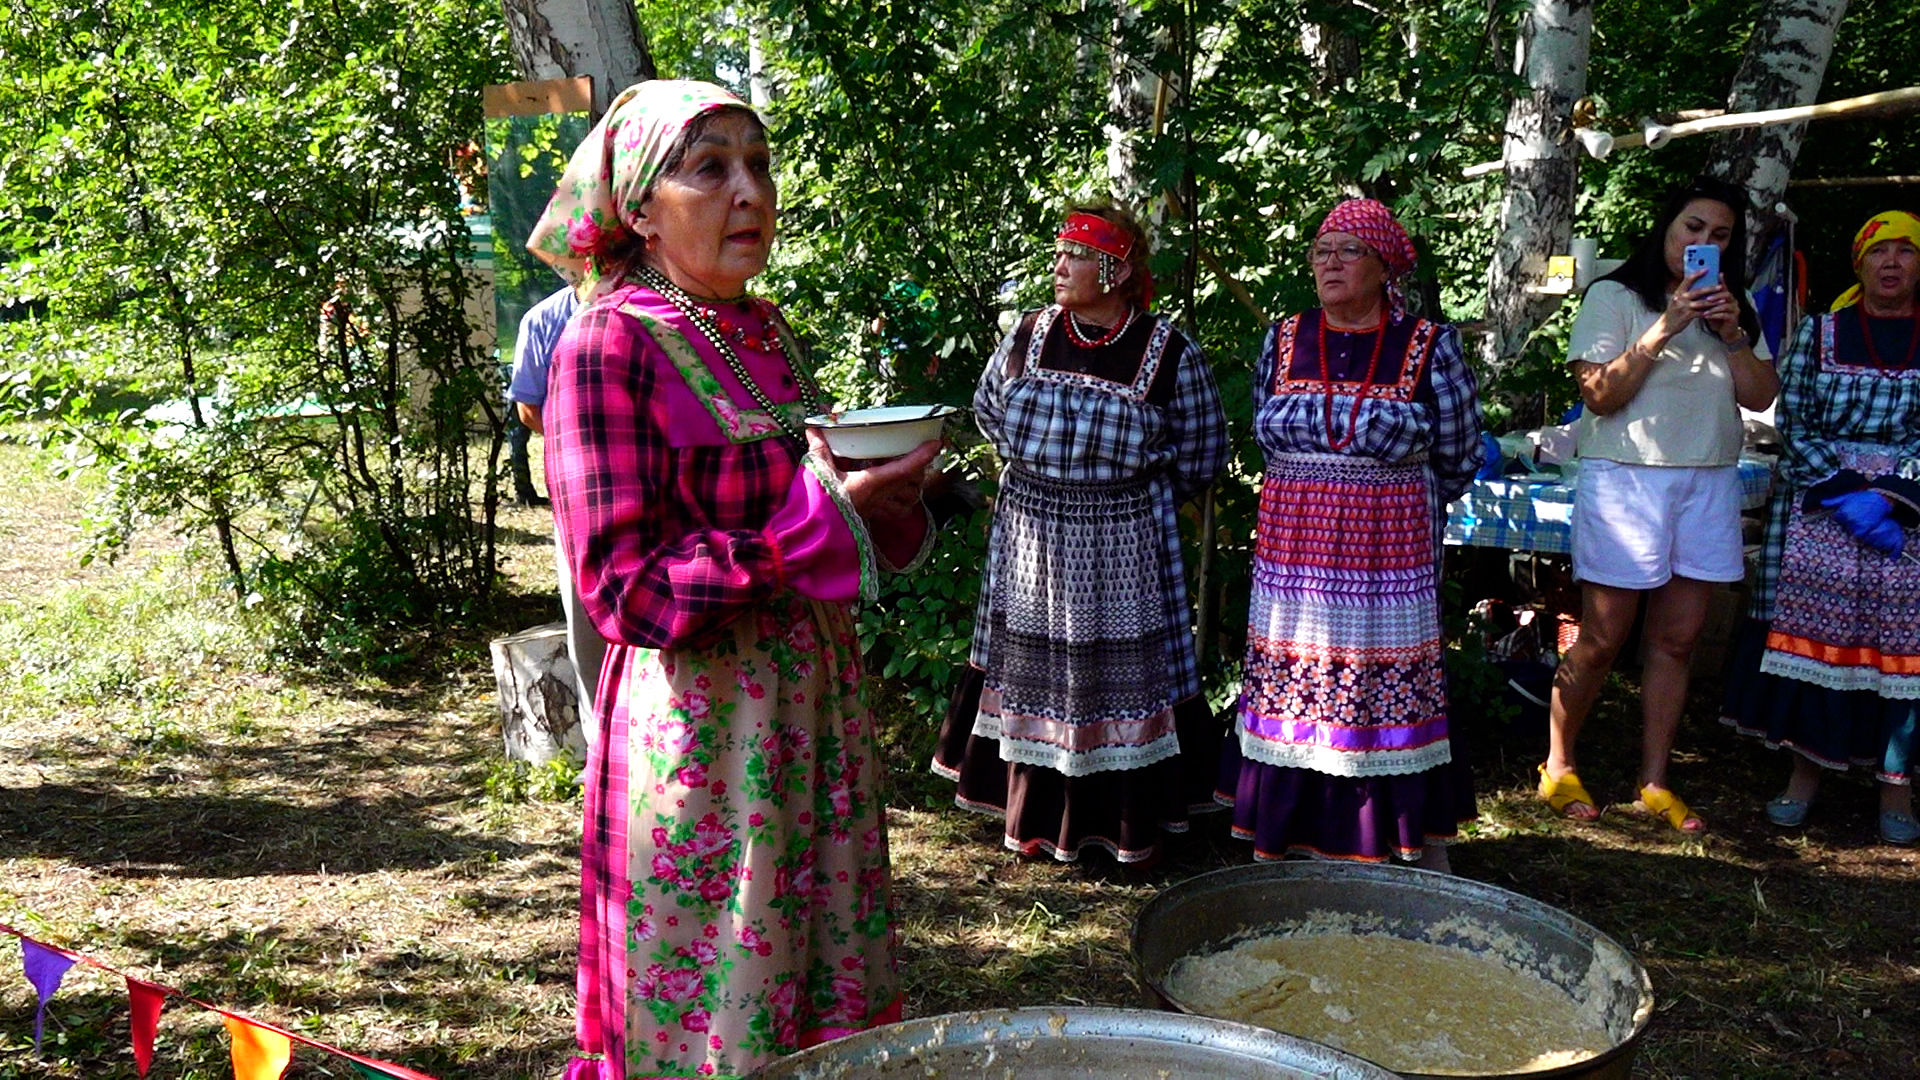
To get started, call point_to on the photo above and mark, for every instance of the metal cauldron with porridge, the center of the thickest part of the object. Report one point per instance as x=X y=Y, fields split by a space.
x=1055 y=1043
x=1220 y=913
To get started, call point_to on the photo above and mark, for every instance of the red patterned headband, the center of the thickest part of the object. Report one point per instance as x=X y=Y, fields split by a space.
x=1099 y=234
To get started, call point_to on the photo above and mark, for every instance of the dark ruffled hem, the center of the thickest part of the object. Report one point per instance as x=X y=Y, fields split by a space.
x=1833 y=728
x=1292 y=811
x=1126 y=812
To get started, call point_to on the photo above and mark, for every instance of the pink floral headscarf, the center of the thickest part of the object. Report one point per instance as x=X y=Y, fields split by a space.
x=1371 y=221
x=600 y=193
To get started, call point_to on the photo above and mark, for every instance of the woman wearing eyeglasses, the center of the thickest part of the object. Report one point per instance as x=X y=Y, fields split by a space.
x=1370 y=424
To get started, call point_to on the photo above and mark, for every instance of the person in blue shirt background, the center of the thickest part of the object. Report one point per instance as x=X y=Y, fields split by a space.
x=533 y=347
x=539 y=332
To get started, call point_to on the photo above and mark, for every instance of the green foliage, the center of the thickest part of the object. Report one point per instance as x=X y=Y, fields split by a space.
x=178 y=200
x=185 y=198
x=510 y=783
x=1476 y=689
x=918 y=634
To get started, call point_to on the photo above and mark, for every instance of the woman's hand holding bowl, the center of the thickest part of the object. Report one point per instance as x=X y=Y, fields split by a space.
x=887 y=490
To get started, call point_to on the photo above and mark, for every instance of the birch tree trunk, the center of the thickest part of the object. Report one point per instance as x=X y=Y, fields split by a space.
x=1334 y=53
x=1542 y=166
x=565 y=39
x=759 y=87
x=1130 y=95
x=1785 y=63
x=1335 y=56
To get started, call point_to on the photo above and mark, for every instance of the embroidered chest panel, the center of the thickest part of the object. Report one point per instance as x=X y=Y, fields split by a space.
x=1135 y=391
x=1412 y=363
x=1830 y=357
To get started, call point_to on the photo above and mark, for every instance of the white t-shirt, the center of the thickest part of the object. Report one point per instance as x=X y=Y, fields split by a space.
x=1684 y=414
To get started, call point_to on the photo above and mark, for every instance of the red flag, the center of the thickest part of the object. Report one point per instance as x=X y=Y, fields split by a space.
x=376 y=1068
x=259 y=1053
x=145 y=999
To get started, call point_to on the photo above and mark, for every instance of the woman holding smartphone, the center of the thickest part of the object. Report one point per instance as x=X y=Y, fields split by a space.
x=1664 y=358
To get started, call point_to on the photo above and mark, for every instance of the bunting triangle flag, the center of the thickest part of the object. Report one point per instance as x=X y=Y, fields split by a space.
x=375 y=1069
x=145 y=999
x=45 y=968
x=258 y=1053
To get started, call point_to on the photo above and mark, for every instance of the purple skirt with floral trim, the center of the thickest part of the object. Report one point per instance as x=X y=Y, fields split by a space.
x=1293 y=811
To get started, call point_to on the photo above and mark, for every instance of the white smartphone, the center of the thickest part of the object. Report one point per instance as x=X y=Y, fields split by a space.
x=1702 y=257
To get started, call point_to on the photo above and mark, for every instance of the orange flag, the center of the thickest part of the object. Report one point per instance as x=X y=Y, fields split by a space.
x=145 y=999
x=258 y=1054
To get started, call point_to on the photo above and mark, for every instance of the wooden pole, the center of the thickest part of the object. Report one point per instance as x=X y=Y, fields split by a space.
x=1906 y=99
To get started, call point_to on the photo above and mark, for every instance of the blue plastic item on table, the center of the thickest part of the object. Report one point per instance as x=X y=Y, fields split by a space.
x=1495 y=461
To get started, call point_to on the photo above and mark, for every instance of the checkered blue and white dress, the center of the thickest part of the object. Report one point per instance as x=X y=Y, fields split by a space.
x=1083 y=644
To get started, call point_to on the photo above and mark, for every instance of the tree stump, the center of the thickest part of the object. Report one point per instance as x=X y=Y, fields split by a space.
x=539 y=695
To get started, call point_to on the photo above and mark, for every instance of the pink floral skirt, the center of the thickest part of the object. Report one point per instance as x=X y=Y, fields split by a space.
x=735 y=890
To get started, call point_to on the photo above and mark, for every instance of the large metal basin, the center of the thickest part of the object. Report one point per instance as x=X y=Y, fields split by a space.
x=1203 y=913
x=1050 y=1043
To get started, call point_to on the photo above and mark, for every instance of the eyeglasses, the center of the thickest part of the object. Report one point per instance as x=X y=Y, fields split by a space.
x=1344 y=254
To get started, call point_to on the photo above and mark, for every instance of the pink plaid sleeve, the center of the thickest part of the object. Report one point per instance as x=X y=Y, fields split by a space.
x=666 y=542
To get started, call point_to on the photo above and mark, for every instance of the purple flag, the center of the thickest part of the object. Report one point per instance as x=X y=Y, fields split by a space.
x=45 y=969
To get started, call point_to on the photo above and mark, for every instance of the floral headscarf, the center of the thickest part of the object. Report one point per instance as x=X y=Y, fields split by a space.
x=594 y=206
x=1371 y=221
x=1892 y=225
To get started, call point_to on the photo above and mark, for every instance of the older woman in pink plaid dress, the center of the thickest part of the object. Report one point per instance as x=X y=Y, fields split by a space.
x=734 y=883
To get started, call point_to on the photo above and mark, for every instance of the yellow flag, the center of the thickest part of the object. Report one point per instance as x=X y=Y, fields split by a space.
x=258 y=1054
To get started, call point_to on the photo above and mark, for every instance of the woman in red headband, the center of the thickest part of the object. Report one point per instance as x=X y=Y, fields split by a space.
x=1080 y=718
x=1370 y=424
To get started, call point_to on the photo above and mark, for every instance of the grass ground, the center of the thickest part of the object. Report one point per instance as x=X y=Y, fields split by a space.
x=349 y=858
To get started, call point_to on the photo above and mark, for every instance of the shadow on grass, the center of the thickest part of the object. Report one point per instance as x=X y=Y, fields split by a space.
x=136 y=835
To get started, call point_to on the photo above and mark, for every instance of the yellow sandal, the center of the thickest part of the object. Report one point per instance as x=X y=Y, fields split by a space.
x=1660 y=803
x=1567 y=791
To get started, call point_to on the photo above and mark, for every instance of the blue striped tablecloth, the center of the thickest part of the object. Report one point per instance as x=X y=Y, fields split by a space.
x=1537 y=515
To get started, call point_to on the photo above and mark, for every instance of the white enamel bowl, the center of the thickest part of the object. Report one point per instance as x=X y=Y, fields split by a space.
x=879 y=434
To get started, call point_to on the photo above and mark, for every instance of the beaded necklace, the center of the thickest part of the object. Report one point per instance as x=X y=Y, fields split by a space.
x=1074 y=334
x=689 y=307
x=1866 y=332
x=1379 y=332
x=765 y=340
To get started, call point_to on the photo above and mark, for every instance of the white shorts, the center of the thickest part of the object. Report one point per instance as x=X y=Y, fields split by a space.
x=1639 y=526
